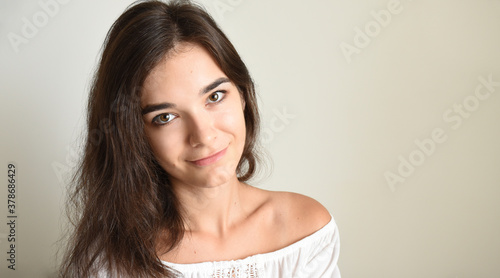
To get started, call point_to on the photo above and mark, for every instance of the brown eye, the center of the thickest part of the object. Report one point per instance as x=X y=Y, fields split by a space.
x=163 y=118
x=215 y=97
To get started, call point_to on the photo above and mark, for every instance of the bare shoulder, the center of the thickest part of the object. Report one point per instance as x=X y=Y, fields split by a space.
x=298 y=209
x=296 y=215
x=282 y=218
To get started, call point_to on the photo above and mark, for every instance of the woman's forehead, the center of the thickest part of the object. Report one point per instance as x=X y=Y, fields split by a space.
x=187 y=70
x=187 y=61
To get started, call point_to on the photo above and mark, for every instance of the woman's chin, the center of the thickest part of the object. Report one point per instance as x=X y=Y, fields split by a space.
x=216 y=177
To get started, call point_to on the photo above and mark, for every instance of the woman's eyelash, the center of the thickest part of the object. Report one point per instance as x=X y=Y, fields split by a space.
x=220 y=95
x=163 y=119
x=166 y=118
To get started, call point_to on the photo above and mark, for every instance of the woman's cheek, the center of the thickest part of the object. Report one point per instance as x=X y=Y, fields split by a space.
x=166 y=146
x=233 y=118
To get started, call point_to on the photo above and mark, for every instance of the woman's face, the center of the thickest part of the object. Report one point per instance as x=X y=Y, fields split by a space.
x=193 y=118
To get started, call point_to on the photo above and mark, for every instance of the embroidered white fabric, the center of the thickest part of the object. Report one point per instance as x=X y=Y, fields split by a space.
x=314 y=256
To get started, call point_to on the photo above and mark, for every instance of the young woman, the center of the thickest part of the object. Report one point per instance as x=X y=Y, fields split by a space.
x=172 y=133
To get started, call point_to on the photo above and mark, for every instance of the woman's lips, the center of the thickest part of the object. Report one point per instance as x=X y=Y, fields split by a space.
x=210 y=159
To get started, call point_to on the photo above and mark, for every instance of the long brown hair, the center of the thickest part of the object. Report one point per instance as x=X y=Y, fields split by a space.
x=121 y=204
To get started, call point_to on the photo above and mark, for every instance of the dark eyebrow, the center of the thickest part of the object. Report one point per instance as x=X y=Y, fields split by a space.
x=214 y=85
x=166 y=105
x=155 y=107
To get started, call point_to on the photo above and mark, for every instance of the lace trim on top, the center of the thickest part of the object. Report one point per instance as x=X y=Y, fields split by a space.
x=240 y=271
x=249 y=267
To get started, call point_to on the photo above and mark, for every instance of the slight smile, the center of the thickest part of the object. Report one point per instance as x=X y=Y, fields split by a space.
x=210 y=159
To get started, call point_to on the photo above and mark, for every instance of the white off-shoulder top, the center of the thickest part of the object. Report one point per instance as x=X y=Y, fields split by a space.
x=311 y=257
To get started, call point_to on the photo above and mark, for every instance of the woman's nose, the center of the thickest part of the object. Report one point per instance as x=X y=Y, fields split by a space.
x=201 y=130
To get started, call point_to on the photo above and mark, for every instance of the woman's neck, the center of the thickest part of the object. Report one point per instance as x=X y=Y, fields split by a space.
x=211 y=210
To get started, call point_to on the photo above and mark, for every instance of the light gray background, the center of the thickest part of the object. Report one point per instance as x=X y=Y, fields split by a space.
x=333 y=123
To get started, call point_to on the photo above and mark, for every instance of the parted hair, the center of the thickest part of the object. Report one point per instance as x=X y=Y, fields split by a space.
x=123 y=211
